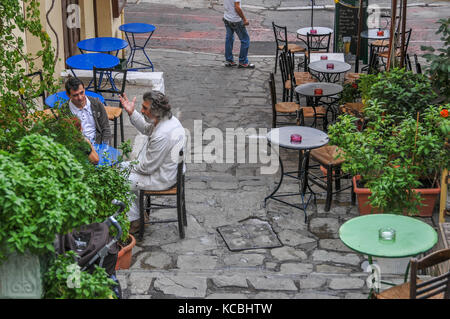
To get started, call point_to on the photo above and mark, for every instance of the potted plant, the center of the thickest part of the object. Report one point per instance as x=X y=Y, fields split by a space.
x=402 y=148
x=42 y=193
x=391 y=160
x=439 y=64
x=65 y=280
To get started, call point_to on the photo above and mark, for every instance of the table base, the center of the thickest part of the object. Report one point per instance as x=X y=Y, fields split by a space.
x=134 y=48
x=302 y=176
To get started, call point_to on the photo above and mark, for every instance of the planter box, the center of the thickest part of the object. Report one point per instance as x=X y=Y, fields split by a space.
x=428 y=195
x=21 y=276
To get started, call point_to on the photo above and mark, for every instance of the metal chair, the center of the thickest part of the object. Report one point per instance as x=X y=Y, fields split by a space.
x=282 y=42
x=113 y=112
x=384 y=54
x=435 y=288
x=281 y=108
x=418 y=66
x=290 y=78
x=316 y=43
x=326 y=157
x=176 y=190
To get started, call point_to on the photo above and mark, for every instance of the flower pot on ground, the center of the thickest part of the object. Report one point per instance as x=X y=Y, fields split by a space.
x=125 y=254
x=398 y=151
x=428 y=197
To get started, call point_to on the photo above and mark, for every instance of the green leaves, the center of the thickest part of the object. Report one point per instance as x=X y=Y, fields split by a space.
x=64 y=280
x=42 y=193
x=390 y=156
x=439 y=62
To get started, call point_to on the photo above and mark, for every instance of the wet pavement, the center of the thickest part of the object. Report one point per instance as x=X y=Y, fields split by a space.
x=206 y=96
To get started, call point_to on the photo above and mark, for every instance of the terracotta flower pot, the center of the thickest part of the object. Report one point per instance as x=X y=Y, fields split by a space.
x=428 y=195
x=124 y=255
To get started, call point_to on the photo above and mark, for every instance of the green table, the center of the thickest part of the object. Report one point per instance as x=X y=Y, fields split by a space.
x=412 y=237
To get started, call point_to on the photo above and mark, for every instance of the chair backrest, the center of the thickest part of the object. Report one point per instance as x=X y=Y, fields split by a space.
x=418 y=66
x=273 y=90
x=40 y=93
x=284 y=67
x=318 y=42
x=180 y=172
x=280 y=36
x=434 y=286
x=105 y=86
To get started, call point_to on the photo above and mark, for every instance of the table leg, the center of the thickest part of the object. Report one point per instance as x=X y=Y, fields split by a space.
x=301 y=193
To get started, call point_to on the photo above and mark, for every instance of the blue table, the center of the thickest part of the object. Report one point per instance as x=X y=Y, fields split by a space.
x=108 y=155
x=102 y=44
x=62 y=98
x=132 y=28
x=87 y=61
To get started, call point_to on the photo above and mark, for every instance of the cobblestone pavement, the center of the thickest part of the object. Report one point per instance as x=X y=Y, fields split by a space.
x=189 y=25
x=313 y=262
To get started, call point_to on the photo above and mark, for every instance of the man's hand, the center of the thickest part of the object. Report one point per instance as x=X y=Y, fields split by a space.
x=246 y=22
x=127 y=105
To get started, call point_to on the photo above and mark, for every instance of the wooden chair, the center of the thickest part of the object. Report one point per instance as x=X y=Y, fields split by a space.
x=435 y=288
x=113 y=112
x=326 y=157
x=176 y=190
x=281 y=108
x=282 y=42
x=290 y=78
x=384 y=54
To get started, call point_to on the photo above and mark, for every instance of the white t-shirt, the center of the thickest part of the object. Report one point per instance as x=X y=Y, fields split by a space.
x=230 y=13
x=86 y=118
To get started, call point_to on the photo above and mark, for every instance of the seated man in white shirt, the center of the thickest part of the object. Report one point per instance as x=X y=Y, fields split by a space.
x=90 y=111
x=158 y=158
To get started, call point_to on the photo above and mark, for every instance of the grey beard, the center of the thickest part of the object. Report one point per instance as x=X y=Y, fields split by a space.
x=149 y=120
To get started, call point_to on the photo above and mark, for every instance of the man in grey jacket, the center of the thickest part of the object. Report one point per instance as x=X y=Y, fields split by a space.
x=90 y=111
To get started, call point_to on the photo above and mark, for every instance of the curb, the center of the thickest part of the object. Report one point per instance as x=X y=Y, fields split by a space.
x=331 y=7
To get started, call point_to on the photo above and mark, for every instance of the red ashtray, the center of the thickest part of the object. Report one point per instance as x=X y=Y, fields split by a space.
x=324 y=57
x=313 y=31
x=330 y=66
x=296 y=138
x=318 y=91
x=380 y=33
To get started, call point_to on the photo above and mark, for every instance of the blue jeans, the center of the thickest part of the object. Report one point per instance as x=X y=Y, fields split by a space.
x=241 y=32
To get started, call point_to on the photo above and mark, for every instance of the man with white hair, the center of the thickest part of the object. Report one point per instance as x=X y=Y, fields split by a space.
x=158 y=158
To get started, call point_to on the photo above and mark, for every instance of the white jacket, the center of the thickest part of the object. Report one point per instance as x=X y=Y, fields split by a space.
x=159 y=156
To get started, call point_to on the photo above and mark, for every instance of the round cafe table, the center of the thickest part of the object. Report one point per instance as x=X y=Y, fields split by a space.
x=62 y=97
x=108 y=155
x=323 y=73
x=320 y=31
x=311 y=138
x=138 y=28
x=87 y=61
x=412 y=236
x=102 y=44
x=372 y=34
x=332 y=90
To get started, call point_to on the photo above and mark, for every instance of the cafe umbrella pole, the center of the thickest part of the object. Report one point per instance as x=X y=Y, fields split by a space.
x=312 y=14
x=358 y=42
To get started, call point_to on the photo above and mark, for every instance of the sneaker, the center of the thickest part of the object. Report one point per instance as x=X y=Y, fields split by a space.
x=246 y=66
x=230 y=63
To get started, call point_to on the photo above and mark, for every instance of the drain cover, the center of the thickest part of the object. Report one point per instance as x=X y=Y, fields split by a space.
x=250 y=234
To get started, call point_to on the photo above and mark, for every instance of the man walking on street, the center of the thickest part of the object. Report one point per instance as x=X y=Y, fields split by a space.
x=235 y=21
